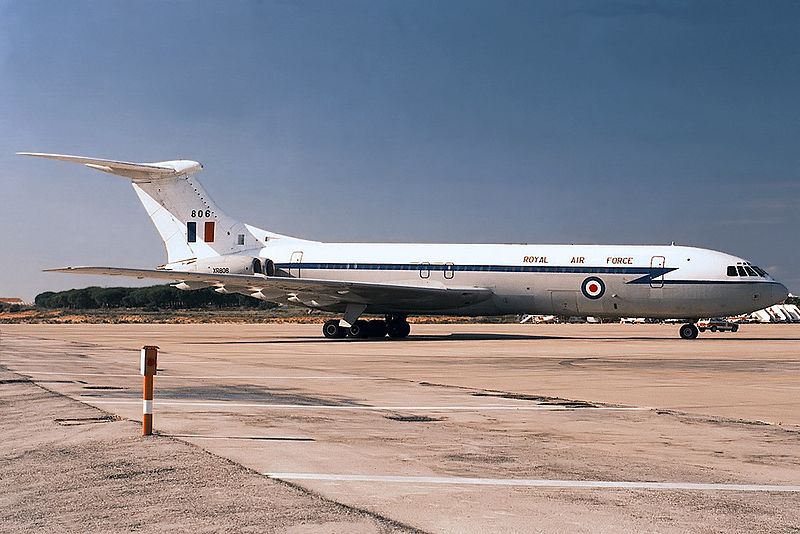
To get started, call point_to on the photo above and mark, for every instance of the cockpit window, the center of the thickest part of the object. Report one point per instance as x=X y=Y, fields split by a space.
x=745 y=269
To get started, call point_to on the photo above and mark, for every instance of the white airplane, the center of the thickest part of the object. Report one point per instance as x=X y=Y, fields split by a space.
x=207 y=248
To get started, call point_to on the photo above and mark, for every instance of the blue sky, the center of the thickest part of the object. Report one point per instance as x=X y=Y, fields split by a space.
x=460 y=121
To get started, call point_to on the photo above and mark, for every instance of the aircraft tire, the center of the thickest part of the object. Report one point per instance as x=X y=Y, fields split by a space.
x=735 y=328
x=359 y=329
x=332 y=330
x=689 y=331
x=398 y=329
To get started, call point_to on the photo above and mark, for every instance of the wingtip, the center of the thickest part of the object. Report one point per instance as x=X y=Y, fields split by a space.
x=58 y=269
x=39 y=154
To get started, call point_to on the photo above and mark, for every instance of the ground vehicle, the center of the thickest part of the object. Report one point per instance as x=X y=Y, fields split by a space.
x=717 y=324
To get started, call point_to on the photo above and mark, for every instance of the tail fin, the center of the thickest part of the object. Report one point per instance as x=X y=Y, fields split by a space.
x=189 y=222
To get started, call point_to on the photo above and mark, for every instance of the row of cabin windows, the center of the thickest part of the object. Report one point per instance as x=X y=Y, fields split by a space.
x=208 y=233
x=746 y=270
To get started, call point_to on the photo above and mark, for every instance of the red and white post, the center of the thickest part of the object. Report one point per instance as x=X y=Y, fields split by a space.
x=149 y=361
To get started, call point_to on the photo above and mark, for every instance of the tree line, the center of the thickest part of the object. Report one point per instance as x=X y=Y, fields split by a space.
x=157 y=298
x=148 y=298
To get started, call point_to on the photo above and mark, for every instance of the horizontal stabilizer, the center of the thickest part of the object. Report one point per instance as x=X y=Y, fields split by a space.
x=134 y=171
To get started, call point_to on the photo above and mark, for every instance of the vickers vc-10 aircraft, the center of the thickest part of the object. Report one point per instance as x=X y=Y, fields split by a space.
x=208 y=248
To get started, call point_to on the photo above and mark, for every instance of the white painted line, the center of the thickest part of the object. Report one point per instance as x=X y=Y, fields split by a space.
x=256 y=438
x=274 y=377
x=94 y=358
x=594 y=484
x=476 y=408
x=55 y=373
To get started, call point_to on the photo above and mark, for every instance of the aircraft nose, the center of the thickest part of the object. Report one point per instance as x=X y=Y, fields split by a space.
x=779 y=292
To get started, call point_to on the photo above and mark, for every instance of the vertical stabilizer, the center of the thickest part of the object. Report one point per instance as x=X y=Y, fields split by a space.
x=190 y=224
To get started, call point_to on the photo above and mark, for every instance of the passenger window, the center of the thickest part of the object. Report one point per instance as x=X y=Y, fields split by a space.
x=731 y=270
x=741 y=270
x=750 y=271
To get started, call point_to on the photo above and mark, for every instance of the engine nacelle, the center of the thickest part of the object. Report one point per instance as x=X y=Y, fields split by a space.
x=233 y=265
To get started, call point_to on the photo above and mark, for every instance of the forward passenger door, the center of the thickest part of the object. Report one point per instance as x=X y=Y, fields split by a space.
x=657 y=262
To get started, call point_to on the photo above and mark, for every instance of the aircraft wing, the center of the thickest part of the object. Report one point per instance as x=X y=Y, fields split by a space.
x=309 y=291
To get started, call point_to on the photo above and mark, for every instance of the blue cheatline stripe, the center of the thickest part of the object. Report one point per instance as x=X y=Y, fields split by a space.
x=649 y=274
x=648 y=271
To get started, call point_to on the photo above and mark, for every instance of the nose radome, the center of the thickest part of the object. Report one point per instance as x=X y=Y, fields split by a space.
x=779 y=292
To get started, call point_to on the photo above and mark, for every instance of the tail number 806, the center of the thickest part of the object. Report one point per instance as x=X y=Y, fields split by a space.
x=201 y=213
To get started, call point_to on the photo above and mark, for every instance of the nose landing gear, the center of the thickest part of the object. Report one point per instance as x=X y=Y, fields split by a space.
x=689 y=331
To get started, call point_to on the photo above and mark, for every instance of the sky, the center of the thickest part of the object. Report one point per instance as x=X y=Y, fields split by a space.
x=404 y=121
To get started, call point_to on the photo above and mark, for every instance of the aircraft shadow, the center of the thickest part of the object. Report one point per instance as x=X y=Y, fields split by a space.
x=410 y=339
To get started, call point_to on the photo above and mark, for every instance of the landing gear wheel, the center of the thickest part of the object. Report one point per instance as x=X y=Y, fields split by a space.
x=359 y=329
x=689 y=331
x=735 y=328
x=398 y=329
x=332 y=330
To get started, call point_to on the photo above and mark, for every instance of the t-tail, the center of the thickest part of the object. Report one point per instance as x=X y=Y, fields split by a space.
x=189 y=222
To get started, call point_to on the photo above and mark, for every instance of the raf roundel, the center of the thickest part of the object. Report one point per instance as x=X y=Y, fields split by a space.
x=593 y=288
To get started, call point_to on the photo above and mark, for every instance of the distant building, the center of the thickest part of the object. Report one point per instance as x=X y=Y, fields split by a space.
x=13 y=300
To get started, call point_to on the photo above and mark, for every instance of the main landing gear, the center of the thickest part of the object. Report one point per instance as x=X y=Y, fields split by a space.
x=689 y=331
x=396 y=327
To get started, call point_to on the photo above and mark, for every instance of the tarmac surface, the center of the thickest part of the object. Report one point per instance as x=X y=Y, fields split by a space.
x=459 y=428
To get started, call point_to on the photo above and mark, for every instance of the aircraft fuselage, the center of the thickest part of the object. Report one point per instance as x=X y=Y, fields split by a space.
x=596 y=280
